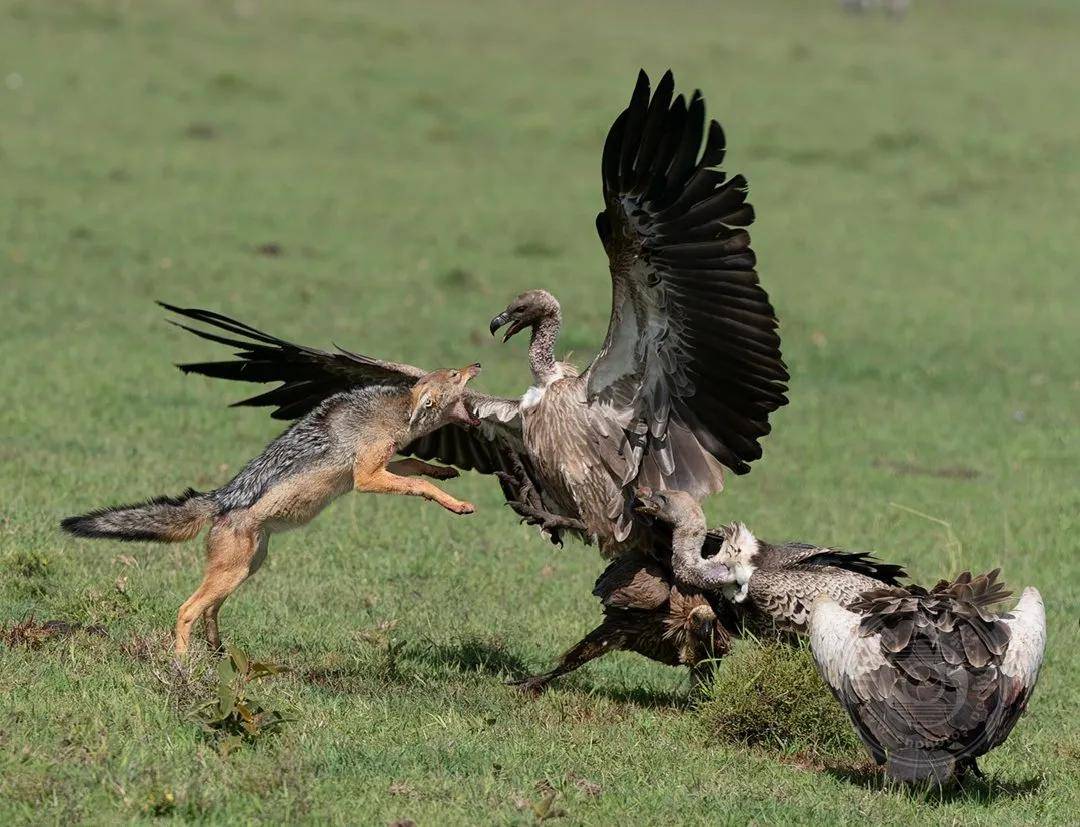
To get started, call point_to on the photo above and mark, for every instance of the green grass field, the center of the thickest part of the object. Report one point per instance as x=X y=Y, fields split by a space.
x=916 y=184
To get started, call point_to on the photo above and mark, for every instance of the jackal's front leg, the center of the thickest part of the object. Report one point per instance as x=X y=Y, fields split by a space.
x=382 y=481
x=418 y=468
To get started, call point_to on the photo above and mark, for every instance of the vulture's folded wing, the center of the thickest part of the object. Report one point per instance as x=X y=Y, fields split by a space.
x=633 y=582
x=308 y=376
x=692 y=347
x=854 y=668
x=1023 y=659
x=805 y=555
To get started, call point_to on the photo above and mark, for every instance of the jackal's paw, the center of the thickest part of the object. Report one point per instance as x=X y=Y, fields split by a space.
x=443 y=472
x=463 y=508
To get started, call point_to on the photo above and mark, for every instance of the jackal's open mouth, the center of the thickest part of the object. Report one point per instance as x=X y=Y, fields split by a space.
x=460 y=413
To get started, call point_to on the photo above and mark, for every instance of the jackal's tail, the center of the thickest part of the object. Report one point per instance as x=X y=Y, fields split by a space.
x=161 y=519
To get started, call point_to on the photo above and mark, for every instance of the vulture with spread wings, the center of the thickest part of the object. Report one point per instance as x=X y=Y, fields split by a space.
x=685 y=380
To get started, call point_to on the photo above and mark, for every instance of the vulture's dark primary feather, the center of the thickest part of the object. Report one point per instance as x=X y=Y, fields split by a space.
x=805 y=555
x=307 y=376
x=692 y=338
x=931 y=679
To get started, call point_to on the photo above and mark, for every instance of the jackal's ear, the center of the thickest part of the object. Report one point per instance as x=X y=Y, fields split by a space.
x=424 y=403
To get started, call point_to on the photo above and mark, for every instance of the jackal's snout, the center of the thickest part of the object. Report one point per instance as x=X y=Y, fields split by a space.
x=470 y=371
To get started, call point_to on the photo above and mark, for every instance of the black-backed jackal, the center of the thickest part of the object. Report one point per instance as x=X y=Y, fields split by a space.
x=345 y=443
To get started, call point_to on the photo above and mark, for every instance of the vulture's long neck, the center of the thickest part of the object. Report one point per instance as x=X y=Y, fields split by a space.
x=688 y=537
x=542 y=348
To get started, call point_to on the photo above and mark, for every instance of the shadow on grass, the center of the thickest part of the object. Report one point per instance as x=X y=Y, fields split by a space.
x=472 y=655
x=982 y=791
x=491 y=657
x=641 y=696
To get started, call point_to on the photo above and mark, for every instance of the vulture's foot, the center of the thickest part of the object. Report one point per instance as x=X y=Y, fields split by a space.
x=517 y=489
x=545 y=519
x=968 y=767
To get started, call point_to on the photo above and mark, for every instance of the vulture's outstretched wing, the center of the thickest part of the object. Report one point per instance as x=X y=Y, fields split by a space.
x=483 y=448
x=308 y=376
x=691 y=347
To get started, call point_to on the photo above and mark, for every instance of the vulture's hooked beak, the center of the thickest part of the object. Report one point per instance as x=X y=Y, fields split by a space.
x=503 y=318
x=646 y=503
x=703 y=624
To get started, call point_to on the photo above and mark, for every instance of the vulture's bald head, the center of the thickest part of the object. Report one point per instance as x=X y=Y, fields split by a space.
x=676 y=507
x=529 y=309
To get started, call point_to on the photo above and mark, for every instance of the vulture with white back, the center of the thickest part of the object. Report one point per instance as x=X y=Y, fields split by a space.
x=931 y=679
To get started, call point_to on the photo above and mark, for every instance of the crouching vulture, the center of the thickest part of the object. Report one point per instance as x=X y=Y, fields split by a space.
x=684 y=383
x=684 y=603
x=931 y=679
x=645 y=611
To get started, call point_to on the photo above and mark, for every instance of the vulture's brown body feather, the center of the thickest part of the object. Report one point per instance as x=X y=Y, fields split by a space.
x=682 y=603
x=773 y=586
x=781 y=592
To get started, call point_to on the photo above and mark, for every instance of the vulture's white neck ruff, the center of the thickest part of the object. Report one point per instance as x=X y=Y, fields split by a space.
x=738 y=552
x=531 y=398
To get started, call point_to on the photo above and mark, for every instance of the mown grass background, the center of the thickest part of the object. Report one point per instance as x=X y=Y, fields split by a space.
x=417 y=164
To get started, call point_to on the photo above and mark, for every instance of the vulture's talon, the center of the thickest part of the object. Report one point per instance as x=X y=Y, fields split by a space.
x=551 y=523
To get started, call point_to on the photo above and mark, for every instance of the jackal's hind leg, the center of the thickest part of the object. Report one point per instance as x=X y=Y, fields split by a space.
x=233 y=554
x=210 y=616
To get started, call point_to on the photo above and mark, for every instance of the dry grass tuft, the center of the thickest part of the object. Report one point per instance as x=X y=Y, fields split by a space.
x=769 y=695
